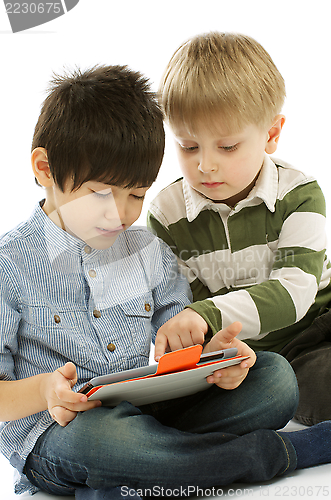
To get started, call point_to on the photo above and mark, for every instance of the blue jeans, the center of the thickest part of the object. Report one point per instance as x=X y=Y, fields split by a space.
x=212 y=438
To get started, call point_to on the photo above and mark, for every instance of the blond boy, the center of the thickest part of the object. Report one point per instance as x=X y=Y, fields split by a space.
x=248 y=230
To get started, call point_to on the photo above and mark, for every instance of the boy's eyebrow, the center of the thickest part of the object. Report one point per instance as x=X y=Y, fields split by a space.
x=133 y=188
x=103 y=186
x=99 y=185
x=235 y=136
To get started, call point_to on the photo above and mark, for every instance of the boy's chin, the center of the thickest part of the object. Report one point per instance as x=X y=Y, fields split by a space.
x=100 y=243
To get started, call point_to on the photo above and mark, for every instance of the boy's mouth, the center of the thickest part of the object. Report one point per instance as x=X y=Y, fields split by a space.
x=212 y=185
x=110 y=232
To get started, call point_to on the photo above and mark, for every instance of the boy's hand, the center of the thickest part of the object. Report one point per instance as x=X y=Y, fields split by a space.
x=62 y=402
x=183 y=330
x=232 y=376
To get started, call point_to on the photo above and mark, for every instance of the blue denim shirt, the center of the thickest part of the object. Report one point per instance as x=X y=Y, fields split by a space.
x=61 y=300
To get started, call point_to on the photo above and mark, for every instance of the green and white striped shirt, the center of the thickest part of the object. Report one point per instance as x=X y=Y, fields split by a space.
x=262 y=262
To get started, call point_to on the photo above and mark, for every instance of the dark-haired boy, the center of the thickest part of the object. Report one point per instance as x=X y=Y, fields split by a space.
x=83 y=294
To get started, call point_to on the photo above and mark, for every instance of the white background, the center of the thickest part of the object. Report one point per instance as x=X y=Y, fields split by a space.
x=143 y=34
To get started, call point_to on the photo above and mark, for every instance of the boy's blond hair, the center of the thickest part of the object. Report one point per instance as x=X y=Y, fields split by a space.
x=221 y=75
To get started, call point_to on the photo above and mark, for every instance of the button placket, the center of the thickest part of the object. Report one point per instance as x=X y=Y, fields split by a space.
x=92 y=273
x=94 y=278
x=96 y=285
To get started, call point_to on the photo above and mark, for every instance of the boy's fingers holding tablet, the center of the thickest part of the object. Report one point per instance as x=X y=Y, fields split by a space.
x=161 y=343
x=62 y=415
x=69 y=372
x=66 y=413
x=62 y=402
x=183 y=330
x=232 y=376
x=223 y=338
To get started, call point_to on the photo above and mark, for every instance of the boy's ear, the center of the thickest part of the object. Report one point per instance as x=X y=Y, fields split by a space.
x=41 y=168
x=274 y=134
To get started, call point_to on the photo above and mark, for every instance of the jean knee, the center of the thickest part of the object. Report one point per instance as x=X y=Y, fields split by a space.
x=281 y=378
x=103 y=419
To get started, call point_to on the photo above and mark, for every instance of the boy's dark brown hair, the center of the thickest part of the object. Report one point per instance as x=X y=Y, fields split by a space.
x=103 y=124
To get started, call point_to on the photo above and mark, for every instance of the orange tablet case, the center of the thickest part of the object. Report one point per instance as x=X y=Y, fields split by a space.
x=177 y=374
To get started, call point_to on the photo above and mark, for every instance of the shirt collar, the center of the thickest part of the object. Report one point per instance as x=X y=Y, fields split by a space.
x=57 y=239
x=265 y=190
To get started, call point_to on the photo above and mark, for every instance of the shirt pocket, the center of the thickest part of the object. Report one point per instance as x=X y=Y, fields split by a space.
x=137 y=316
x=54 y=335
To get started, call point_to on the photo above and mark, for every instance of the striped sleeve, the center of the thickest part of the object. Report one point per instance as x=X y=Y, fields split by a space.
x=261 y=265
x=298 y=240
x=10 y=318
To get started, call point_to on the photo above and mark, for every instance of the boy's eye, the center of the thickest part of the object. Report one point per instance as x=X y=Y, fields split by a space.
x=229 y=148
x=136 y=197
x=188 y=148
x=102 y=194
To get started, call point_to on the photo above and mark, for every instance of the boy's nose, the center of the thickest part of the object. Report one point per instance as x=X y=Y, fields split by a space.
x=115 y=211
x=207 y=163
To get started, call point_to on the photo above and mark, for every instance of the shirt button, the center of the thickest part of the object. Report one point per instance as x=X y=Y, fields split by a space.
x=111 y=347
x=87 y=249
x=147 y=307
x=57 y=318
x=96 y=313
x=92 y=273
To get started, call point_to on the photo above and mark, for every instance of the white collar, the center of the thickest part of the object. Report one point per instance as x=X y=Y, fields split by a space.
x=265 y=190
